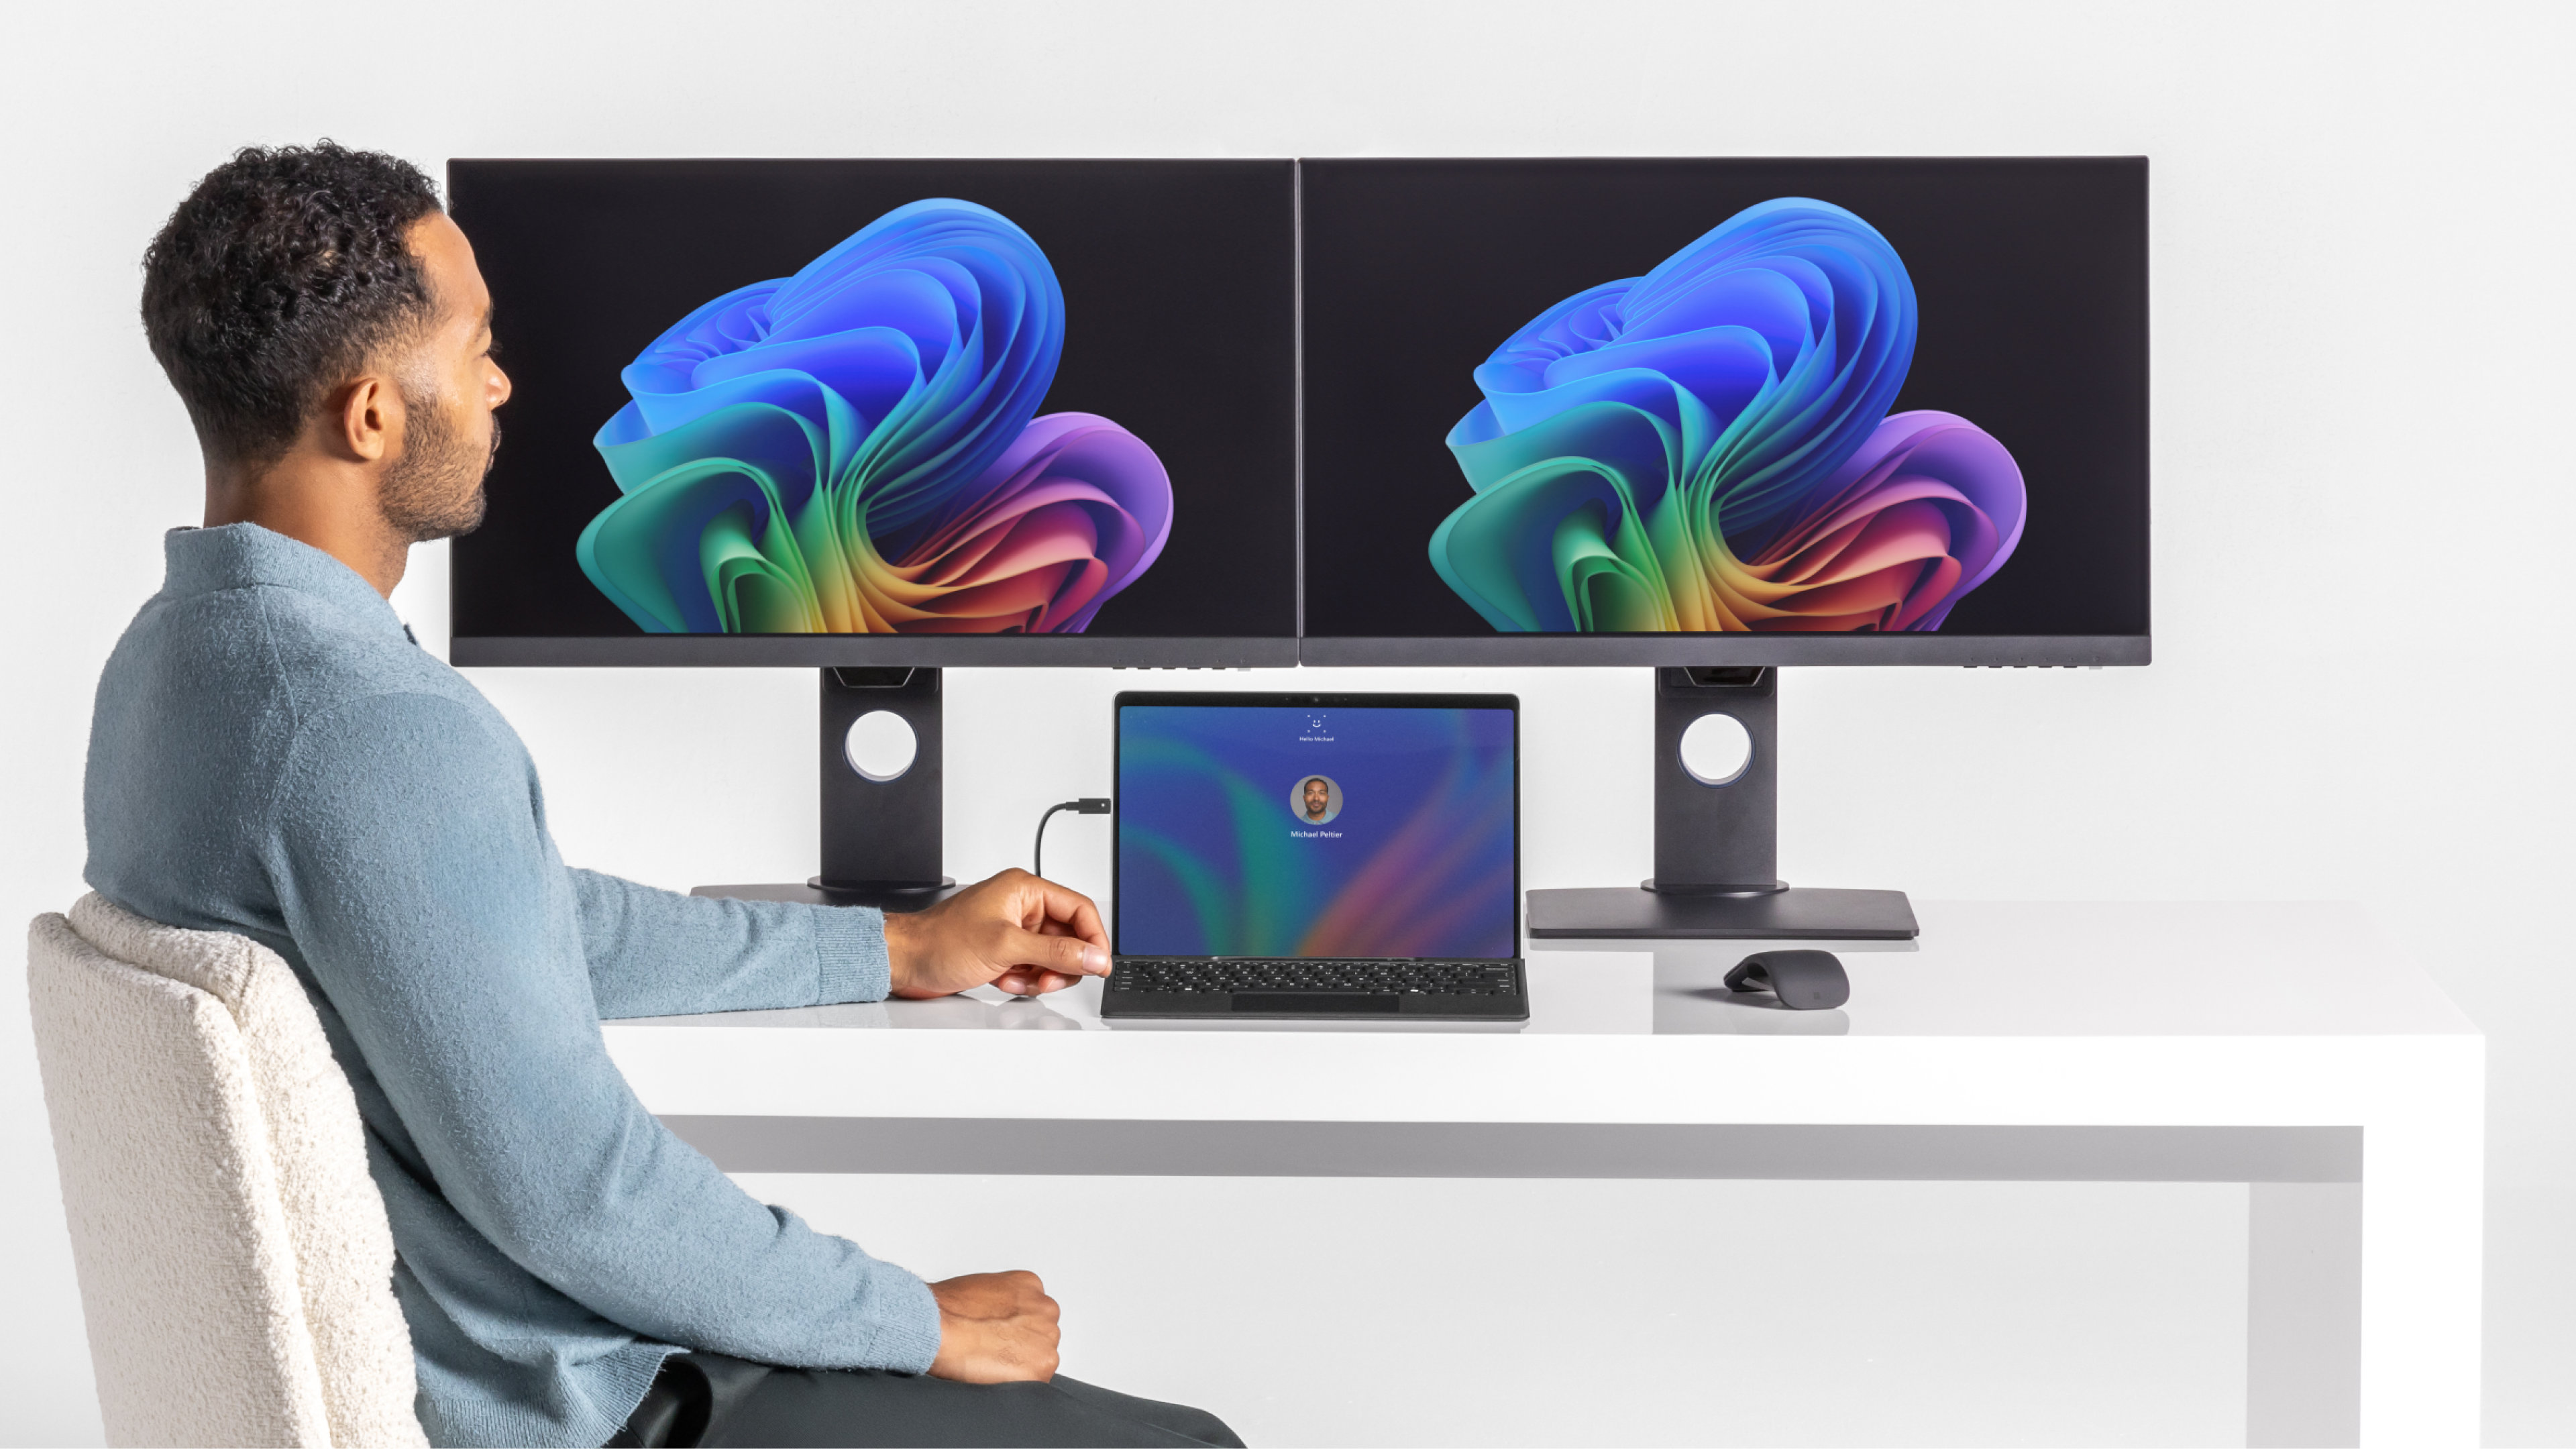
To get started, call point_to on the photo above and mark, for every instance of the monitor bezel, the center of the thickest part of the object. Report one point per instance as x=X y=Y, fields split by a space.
x=860 y=651
x=1504 y=651
x=1289 y=699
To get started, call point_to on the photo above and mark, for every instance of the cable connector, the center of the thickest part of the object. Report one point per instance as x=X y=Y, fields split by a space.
x=1087 y=805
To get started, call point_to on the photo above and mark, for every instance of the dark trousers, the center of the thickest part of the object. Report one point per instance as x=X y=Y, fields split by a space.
x=707 y=1399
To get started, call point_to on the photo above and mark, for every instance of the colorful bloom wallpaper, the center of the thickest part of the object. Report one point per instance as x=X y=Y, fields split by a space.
x=1708 y=447
x=858 y=449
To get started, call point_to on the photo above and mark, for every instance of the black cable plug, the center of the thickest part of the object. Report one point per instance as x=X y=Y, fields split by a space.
x=1087 y=805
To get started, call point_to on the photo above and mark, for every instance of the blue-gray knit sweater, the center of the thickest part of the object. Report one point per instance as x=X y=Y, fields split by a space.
x=272 y=755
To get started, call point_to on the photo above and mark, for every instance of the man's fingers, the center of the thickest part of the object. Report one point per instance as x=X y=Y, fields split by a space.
x=1068 y=955
x=1032 y=981
x=1069 y=908
x=1086 y=924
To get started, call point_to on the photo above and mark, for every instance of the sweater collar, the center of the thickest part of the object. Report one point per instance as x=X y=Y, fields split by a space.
x=245 y=555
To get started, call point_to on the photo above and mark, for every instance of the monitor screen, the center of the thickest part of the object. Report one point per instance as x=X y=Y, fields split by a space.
x=1318 y=826
x=886 y=412
x=1726 y=411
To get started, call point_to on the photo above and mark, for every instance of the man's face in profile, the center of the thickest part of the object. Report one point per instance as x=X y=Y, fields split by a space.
x=1319 y=797
x=450 y=386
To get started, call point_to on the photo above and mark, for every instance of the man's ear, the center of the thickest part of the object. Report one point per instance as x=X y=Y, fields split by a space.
x=368 y=419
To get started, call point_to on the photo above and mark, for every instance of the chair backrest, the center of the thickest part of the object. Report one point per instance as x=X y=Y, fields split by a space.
x=235 y=1265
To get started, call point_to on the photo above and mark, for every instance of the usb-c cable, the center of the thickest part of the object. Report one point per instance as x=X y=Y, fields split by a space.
x=1088 y=805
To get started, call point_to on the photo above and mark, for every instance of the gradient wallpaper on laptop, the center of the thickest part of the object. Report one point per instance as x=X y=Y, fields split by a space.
x=1406 y=850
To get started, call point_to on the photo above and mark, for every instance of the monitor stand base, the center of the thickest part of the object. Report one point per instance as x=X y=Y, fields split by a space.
x=813 y=893
x=1809 y=914
x=884 y=895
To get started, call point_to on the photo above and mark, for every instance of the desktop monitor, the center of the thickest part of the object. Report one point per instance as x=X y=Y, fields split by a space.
x=1719 y=416
x=881 y=417
x=886 y=413
x=1725 y=412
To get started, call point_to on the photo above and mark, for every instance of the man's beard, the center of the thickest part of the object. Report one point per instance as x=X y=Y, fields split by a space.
x=435 y=489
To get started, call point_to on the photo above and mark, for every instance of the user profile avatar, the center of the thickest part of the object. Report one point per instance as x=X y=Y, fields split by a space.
x=1315 y=799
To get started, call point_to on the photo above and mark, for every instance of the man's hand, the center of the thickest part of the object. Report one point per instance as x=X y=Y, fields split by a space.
x=995 y=1328
x=1025 y=935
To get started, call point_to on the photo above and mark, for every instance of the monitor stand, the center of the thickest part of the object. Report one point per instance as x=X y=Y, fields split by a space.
x=881 y=806
x=1716 y=844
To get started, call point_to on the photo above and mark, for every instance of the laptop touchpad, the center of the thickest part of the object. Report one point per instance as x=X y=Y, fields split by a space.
x=1308 y=1002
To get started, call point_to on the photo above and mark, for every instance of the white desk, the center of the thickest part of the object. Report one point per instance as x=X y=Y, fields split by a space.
x=2284 y=1046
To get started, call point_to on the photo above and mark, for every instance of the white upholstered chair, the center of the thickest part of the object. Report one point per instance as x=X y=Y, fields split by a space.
x=235 y=1266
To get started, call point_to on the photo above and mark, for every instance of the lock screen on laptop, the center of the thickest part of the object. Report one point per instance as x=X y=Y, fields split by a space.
x=1323 y=830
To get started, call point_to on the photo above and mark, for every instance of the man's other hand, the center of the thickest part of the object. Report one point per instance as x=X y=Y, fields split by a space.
x=995 y=1328
x=1025 y=935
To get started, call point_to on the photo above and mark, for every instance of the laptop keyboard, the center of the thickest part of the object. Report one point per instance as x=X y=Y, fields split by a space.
x=1301 y=973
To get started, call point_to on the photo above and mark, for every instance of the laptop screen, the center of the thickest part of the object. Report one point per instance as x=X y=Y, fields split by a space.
x=1317 y=829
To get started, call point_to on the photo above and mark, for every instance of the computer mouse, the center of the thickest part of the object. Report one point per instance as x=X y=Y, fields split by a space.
x=1803 y=980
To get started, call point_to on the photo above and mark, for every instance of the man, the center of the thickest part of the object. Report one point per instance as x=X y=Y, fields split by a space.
x=272 y=755
x=1319 y=798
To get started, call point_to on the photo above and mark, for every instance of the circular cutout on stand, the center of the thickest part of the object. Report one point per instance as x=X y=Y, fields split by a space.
x=1716 y=749
x=880 y=745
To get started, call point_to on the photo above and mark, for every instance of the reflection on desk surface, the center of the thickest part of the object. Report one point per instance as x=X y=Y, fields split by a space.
x=1716 y=1011
x=1980 y=969
x=983 y=1009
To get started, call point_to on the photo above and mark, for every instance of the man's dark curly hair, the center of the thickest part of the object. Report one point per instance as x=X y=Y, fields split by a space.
x=276 y=281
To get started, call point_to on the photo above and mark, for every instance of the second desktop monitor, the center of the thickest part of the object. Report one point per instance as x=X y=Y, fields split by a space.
x=1725 y=411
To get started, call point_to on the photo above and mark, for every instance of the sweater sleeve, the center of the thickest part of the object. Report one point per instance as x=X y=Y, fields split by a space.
x=429 y=904
x=659 y=953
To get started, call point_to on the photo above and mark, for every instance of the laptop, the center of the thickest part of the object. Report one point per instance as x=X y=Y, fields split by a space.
x=1342 y=858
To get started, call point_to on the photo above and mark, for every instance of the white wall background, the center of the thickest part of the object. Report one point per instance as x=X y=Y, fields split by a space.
x=2363 y=496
